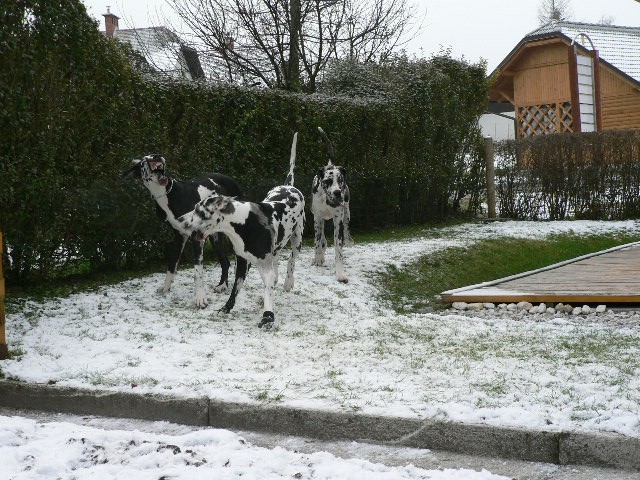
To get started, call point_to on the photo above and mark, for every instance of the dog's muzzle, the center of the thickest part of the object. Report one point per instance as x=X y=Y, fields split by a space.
x=151 y=169
x=335 y=200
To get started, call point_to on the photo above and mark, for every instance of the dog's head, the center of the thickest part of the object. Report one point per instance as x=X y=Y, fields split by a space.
x=150 y=168
x=207 y=215
x=331 y=182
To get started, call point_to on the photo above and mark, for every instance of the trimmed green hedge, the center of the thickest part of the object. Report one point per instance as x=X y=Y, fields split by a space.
x=75 y=113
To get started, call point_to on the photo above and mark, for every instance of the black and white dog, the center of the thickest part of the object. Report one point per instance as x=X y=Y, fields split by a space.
x=176 y=197
x=330 y=200
x=258 y=231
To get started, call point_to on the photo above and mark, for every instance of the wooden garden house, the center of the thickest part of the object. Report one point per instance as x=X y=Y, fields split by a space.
x=571 y=77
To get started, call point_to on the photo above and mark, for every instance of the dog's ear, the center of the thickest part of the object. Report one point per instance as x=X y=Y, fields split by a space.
x=134 y=170
x=343 y=172
x=320 y=173
x=220 y=204
x=226 y=206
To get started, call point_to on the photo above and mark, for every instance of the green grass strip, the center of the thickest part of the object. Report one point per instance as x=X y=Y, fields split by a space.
x=417 y=285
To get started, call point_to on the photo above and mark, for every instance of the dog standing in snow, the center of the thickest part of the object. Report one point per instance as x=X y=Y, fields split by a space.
x=258 y=231
x=330 y=200
x=174 y=198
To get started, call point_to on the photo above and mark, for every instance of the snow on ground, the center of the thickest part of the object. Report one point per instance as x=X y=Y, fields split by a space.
x=33 y=449
x=337 y=347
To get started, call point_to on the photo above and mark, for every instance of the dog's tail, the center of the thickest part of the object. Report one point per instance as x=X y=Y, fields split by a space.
x=330 y=152
x=292 y=160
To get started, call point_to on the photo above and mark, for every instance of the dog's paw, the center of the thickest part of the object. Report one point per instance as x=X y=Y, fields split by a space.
x=201 y=301
x=221 y=288
x=288 y=284
x=268 y=318
x=348 y=242
x=225 y=309
x=318 y=262
x=342 y=278
x=162 y=290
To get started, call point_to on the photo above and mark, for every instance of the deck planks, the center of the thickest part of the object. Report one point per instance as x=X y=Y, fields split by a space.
x=609 y=276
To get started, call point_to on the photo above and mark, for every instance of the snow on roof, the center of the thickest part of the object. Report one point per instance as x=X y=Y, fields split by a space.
x=161 y=47
x=619 y=46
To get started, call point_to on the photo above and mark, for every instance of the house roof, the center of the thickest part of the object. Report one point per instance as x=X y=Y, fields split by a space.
x=164 y=50
x=618 y=48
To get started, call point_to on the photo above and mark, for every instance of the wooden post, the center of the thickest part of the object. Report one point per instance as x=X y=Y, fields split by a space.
x=4 y=350
x=491 y=186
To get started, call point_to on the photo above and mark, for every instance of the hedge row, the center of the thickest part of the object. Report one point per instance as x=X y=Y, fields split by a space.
x=75 y=112
x=570 y=176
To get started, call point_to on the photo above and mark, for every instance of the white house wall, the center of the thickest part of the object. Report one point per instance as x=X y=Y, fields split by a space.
x=497 y=127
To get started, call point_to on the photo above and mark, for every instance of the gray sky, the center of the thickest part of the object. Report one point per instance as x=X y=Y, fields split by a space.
x=472 y=29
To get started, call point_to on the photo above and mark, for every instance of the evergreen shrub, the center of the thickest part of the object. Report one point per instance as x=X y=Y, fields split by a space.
x=75 y=113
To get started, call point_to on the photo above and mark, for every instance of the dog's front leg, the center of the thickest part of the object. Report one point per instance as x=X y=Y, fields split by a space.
x=217 y=239
x=268 y=278
x=242 y=267
x=201 y=296
x=173 y=255
x=338 y=243
x=319 y=239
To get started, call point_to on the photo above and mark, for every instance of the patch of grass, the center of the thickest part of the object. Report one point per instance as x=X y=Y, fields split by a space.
x=403 y=232
x=418 y=284
x=266 y=395
x=73 y=284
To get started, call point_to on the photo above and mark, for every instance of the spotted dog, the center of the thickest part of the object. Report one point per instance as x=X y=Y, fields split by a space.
x=330 y=200
x=258 y=231
x=176 y=197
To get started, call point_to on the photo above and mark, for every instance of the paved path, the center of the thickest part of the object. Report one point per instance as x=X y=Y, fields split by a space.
x=549 y=447
x=384 y=454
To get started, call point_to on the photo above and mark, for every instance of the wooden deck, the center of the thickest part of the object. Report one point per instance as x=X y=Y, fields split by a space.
x=609 y=276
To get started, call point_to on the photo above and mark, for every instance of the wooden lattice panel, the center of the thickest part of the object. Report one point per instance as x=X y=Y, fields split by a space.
x=544 y=119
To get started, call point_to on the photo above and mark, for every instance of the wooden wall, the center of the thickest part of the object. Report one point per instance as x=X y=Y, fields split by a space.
x=539 y=78
x=620 y=101
x=543 y=76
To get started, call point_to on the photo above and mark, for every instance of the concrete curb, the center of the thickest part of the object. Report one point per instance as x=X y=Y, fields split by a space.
x=562 y=448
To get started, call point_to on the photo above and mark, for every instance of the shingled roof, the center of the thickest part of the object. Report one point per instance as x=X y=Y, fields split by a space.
x=617 y=46
x=163 y=50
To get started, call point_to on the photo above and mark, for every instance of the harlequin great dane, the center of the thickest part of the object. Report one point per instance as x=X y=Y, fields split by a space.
x=330 y=200
x=258 y=231
x=177 y=197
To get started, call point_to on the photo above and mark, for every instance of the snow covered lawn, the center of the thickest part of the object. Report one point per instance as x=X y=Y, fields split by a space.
x=337 y=347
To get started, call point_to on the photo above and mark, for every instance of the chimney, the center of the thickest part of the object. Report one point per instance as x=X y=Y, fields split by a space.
x=110 y=22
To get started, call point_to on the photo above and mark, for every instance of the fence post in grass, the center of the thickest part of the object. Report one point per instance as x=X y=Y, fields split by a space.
x=4 y=350
x=491 y=185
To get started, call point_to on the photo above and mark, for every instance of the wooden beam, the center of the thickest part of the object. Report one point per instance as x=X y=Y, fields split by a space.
x=490 y=174
x=507 y=97
x=533 y=298
x=4 y=350
x=597 y=89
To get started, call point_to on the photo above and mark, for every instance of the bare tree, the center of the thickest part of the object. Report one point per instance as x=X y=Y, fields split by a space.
x=553 y=10
x=287 y=43
x=606 y=20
